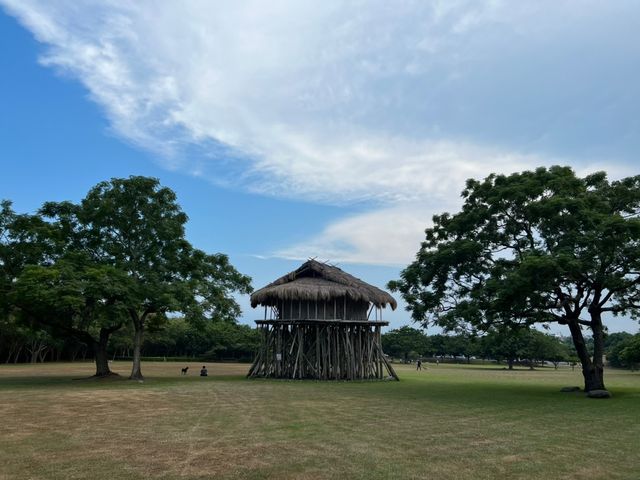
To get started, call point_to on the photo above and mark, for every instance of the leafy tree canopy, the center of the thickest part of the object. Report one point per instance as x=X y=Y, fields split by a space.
x=533 y=247
x=24 y=240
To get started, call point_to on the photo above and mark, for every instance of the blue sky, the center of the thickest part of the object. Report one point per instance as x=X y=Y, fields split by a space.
x=292 y=129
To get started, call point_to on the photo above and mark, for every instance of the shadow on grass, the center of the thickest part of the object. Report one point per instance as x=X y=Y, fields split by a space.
x=495 y=395
x=498 y=368
x=117 y=381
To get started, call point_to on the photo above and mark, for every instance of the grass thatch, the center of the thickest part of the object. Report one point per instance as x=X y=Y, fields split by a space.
x=315 y=281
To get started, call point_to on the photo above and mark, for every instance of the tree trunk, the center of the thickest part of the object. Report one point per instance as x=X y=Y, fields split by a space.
x=33 y=354
x=593 y=378
x=17 y=356
x=136 y=373
x=510 y=363
x=99 y=348
x=12 y=348
x=35 y=349
x=598 y=350
x=42 y=355
x=100 y=352
x=102 y=362
x=591 y=371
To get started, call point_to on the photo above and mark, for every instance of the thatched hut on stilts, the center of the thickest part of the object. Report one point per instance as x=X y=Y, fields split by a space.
x=317 y=325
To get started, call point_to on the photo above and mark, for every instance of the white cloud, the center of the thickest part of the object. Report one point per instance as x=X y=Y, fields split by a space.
x=389 y=236
x=393 y=170
x=330 y=101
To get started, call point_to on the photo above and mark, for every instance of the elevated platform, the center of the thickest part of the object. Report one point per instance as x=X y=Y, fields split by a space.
x=321 y=321
x=321 y=349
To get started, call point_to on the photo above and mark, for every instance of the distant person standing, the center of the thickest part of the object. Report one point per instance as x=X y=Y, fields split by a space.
x=203 y=371
x=419 y=365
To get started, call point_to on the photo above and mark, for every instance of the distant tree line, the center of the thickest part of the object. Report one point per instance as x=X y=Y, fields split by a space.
x=182 y=339
x=624 y=350
x=176 y=339
x=74 y=277
x=520 y=346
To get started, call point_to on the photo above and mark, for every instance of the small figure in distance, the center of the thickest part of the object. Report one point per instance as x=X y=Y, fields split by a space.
x=185 y=370
x=419 y=365
x=203 y=371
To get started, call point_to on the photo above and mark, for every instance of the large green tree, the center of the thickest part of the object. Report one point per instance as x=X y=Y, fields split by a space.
x=539 y=246
x=136 y=226
x=405 y=342
x=524 y=344
x=545 y=347
x=510 y=344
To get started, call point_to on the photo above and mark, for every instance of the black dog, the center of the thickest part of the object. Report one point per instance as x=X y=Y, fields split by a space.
x=184 y=370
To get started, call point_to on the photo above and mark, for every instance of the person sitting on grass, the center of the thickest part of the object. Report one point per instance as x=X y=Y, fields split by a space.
x=203 y=371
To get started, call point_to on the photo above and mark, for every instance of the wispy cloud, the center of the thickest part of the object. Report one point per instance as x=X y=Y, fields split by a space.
x=391 y=103
x=388 y=236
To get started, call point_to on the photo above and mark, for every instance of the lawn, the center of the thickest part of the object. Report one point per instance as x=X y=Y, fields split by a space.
x=446 y=422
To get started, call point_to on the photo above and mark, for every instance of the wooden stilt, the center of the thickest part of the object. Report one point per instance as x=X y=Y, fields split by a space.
x=323 y=350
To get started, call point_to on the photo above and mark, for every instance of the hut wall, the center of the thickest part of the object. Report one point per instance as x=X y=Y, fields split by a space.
x=340 y=309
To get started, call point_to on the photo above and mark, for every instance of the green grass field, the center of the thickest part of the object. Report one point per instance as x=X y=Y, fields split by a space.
x=446 y=422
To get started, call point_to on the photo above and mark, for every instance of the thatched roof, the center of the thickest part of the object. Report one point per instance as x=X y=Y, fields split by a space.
x=316 y=281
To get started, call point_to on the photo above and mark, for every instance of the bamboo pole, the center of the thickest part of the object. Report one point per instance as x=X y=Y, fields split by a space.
x=333 y=350
x=318 y=352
